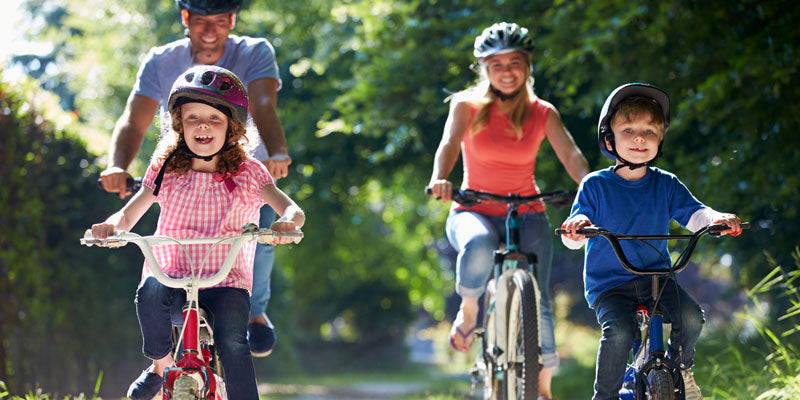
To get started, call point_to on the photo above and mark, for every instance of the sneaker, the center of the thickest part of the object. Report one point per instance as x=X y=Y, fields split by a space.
x=146 y=386
x=691 y=389
x=261 y=338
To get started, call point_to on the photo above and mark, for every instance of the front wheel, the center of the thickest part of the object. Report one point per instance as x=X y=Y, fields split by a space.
x=186 y=388
x=661 y=385
x=492 y=388
x=522 y=376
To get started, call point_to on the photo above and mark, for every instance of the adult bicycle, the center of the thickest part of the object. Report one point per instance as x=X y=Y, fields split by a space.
x=198 y=374
x=650 y=374
x=510 y=358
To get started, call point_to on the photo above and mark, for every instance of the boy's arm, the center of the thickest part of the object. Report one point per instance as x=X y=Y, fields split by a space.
x=707 y=215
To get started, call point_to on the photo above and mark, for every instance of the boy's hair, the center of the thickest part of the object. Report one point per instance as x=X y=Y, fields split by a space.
x=639 y=105
x=230 y=158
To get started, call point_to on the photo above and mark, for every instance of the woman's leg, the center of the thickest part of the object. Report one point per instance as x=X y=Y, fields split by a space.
x=475 y=240
x=228 y=308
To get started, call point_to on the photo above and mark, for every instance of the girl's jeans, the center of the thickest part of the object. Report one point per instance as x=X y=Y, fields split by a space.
x=227 y=310
x=262 y=267
x=615 y=311
x=476 y=236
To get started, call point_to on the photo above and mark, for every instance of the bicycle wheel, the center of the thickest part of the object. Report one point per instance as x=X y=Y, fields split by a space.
x=492 y=389
x=661 y=385
x=522 y=376
x=186 y=388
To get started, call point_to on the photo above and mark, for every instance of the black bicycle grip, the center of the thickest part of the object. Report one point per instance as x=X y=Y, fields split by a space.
x=132 y=185
x=588 y=232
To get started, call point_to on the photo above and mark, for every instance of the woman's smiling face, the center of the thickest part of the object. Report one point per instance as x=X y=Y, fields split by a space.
x=204 y=128
x=507 y=72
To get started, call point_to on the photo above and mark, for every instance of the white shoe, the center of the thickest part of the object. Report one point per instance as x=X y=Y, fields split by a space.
x=690 y=386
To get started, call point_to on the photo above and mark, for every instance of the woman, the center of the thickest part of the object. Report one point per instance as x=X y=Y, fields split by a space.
x=499 y=124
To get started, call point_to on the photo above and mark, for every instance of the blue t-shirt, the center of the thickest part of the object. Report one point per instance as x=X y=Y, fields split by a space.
x=248 y=58
x=641 y=207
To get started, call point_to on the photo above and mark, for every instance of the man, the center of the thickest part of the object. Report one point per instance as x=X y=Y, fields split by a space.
x=208 y=24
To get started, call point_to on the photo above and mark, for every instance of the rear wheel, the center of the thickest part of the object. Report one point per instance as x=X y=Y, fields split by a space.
x=661 y=385
x=522 y=376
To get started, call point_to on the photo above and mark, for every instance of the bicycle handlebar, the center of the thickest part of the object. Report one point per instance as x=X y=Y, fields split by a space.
x=469 y=197
x=132 y=185
x=683 y=259
x=249 y=232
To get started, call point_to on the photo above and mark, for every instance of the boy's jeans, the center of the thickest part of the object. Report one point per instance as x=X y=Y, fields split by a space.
x=262 y=267
x=615 y=310
x=476 y=236
x=227 y=310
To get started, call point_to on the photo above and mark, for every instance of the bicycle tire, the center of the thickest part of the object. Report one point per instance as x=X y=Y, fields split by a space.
x=492 y=389
x=522 y=376
x=185 y=388
x=661 y=385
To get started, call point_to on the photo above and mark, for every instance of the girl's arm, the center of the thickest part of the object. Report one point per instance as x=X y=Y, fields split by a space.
x=449 y=150
x=564 y=145
x=292 y=217
x=128 y=216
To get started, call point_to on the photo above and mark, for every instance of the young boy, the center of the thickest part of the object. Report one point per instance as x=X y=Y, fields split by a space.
x=633 y=198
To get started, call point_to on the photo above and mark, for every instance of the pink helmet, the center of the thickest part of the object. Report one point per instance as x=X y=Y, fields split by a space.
x=212 y=85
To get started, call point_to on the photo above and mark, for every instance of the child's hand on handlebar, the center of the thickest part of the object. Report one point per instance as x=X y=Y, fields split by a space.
x=573 y=224
x=283 y=226
x=732 y=221
x=103 y=230
x=441 y=189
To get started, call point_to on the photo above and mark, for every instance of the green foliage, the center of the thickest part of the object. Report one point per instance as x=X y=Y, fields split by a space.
x=60 y=303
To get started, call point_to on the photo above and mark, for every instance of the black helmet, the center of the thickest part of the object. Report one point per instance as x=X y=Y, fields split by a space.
x=502 y=38
x=209 y=7
x=610 y=107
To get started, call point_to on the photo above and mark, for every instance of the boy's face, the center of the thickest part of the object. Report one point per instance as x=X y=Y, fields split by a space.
x=636 y=137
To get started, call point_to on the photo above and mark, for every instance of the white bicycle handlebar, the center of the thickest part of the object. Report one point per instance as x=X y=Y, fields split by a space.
x=249 y=233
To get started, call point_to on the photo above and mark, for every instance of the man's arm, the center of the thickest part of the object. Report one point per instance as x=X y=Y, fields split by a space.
x=263 y=95
x=126 y=140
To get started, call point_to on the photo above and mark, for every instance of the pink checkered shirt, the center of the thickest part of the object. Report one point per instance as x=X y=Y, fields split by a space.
x=200 y=204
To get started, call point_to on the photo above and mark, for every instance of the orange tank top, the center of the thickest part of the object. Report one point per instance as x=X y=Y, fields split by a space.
x=496 y=161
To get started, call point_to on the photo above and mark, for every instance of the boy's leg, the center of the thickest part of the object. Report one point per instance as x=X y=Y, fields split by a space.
x=687 y=320
x=615 y=315
x=228 y=310
x=260 y=332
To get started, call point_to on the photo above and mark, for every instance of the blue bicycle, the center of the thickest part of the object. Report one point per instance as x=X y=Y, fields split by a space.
x=651 y=375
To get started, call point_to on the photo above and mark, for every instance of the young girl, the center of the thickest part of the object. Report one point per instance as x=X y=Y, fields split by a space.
x=206 y=186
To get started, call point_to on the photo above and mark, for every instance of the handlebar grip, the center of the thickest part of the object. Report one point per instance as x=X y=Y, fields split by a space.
x=428 y=190
x=132 y=185
x=588 y=232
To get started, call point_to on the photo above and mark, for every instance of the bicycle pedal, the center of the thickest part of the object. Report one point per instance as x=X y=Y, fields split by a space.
x=480 y=332
x=476 y=377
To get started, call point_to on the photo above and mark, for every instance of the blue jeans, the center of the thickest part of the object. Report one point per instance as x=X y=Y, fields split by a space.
x=262 y=268
x=227 y=312
x=615 y=310
x=476 y=236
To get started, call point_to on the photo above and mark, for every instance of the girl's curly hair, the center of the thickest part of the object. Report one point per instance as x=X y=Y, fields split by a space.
x=229 y=159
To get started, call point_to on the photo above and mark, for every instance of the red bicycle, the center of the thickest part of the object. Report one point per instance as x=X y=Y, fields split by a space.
x=198 y=374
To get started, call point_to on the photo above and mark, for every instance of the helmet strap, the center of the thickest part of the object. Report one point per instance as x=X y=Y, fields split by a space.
x=183 y=148
x=502 y=96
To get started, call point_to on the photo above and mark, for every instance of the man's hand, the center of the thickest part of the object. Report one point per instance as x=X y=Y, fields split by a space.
x=114 y=181
x=278 y=165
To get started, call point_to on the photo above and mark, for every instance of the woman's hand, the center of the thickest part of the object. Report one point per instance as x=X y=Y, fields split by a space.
x=732 y=221
x=283 y=226
x=572 y=225
x=441 y=189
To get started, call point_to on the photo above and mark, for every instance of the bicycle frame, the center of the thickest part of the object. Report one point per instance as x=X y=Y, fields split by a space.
x=195 y=361
x=651 y=321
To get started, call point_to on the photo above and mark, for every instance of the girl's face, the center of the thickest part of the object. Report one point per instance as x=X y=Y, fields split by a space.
x=204 y=128
x=507 y=72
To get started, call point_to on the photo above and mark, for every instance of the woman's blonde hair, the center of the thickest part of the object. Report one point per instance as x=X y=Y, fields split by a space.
x=481 y=96
x=230 y=158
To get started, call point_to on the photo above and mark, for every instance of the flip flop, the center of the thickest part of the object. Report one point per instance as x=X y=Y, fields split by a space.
x=464 y=335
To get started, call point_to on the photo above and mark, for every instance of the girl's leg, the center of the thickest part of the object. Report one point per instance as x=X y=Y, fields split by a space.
x=538 y=240
x=228 y=308
x=475 y=240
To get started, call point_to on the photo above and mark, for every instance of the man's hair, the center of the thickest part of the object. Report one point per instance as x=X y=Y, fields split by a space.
x=638 y=105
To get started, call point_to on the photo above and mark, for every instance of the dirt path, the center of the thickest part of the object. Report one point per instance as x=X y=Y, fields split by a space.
x=372 y=390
